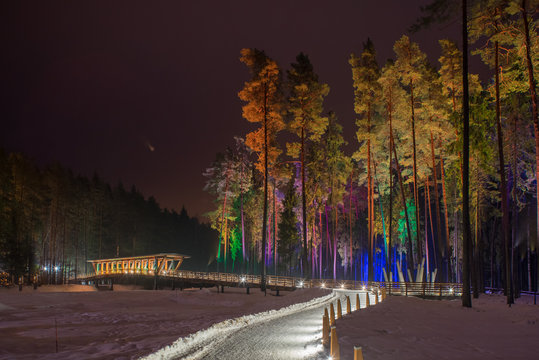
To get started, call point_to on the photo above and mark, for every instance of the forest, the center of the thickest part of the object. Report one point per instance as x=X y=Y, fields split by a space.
x=290 y=201
x=52 y=222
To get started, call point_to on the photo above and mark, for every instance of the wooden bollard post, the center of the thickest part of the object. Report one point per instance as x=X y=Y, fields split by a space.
x=334 y=351
x=376 y=298
x=358 y=304
x=348 y=306
x=368 y=299
x=325 y=328
x=358 y=353
x=339 y=309
x=332 y=315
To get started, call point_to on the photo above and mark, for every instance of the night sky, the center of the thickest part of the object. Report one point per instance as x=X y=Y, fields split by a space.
x=146 y=92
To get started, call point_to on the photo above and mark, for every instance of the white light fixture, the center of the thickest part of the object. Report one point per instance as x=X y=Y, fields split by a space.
x=45 y=268
x=323 y=285
x=242 y=279
x=56 y=268
x=301 y=284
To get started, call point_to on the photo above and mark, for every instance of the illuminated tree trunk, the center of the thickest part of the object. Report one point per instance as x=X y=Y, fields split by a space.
x=446 y=220
x=466 y=298
x=533 y=94
x=381 y=208
x=503 y=185
x=222 y=223
x=431 y=225
x=304 y=205
x=389 y=245
x=336 y=210
x=321 y=242
x=390 y=115
x=438 y=217
x=416 y=195
x=370 y=215
x=409 y=259
x=350 y=214
x=476 y=274
x=242 y=218
x=265 y=214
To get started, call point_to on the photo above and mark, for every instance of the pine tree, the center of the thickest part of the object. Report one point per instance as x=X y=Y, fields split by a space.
x=264 y=106
x=411 y=64
x=305 y=104
x=365 y=73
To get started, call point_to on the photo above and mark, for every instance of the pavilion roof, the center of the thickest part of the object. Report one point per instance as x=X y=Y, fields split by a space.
x=172 y=256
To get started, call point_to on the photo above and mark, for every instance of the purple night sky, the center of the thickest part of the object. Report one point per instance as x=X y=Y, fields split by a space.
x=95 y=85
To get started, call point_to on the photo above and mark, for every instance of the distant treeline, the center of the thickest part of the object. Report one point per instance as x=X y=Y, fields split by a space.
x=54 y=221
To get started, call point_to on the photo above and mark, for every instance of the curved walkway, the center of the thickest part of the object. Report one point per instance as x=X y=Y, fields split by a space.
x=284 y=334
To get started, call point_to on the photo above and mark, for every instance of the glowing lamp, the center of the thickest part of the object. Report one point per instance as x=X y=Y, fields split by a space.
x=300 y=284
x=323 y=285
x=56 y=268
x=242 y=279
x=45 y=268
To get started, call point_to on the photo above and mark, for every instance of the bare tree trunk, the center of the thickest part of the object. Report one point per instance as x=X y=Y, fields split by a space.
x=533 y=95
x=476 y=255
x=389 y=247
x=435 y=251
x=446 y=220
x=416 y=194
x=275 y=232
x=369 y=199
x=503 y=186
x=350 y=214
x=466 y=298
x=304 y=205
x=409 y=259
x=438 y=217
x=265 y=211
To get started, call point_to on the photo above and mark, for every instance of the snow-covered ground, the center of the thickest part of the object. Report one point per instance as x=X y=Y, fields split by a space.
x=128 y=323
x=120 y=324
x=411 y=328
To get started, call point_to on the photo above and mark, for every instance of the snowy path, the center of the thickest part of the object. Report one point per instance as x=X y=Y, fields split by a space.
x=289 y=333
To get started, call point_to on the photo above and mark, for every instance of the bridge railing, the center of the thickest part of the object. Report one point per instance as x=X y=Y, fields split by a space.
x=422 y=289
x=392 y=288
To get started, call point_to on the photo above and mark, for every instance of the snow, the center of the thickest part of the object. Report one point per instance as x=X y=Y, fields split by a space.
x=120 y=324
x=202 y=343
x=412 y=328
x=128 y=323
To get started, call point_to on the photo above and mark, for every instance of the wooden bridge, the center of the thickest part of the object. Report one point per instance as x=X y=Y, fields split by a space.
x=163 y=270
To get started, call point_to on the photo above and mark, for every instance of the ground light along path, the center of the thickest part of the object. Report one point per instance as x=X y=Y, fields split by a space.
x=294 y=332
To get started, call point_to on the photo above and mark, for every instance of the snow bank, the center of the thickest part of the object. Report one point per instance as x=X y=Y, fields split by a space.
x=412 y=328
